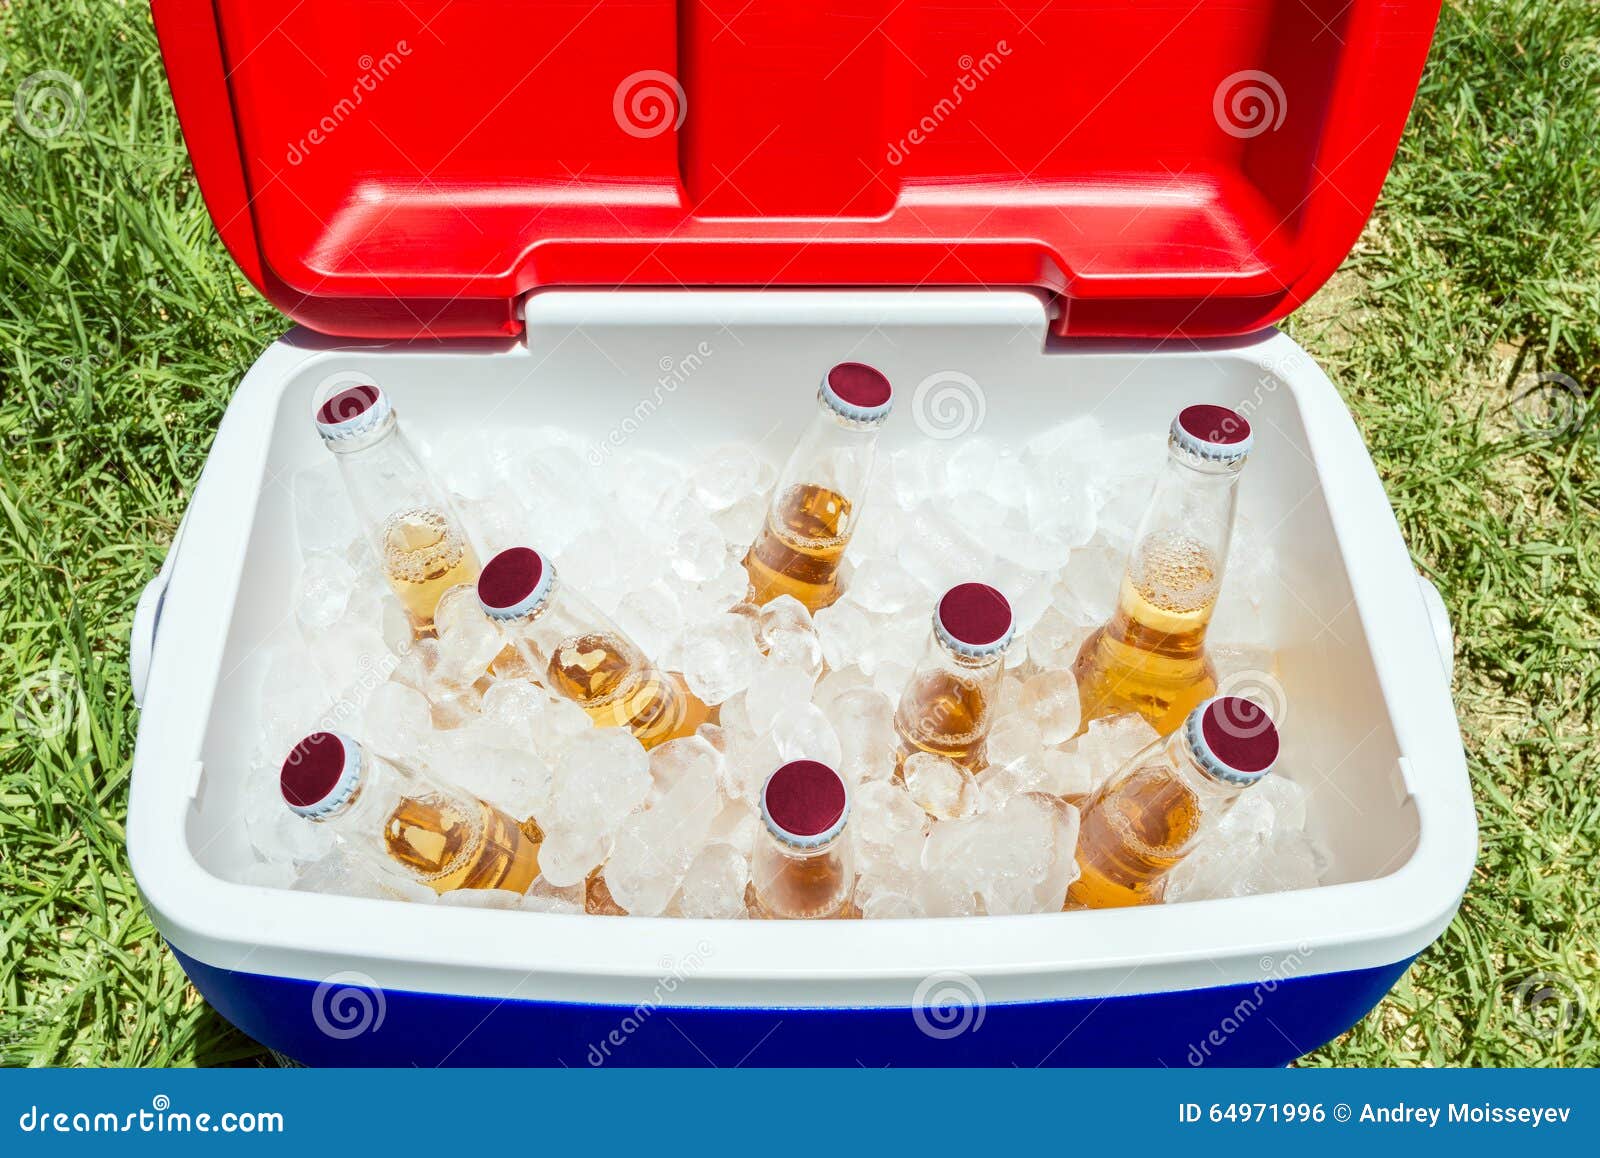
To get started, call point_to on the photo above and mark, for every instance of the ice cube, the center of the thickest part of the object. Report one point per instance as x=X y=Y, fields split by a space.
x=518 y=706
x=773 y=688
x=882 y=811
x=517 y=782
x=651 y=617
x=323 y=517
x=717 y=658
x=863 y=719
x=602 y=776
x=724 y=476
x=889 y=906
x=466 y=649
x=714 y=884
x=1054 y=640
x=786 y=633
x=1050 y=700
x=738 y=824
x=741 y=522
x=938 y=553
x=972 y=464
x=943 y=788
x=835 y=683
x=846 y=633
x=326 y=585
x=802 y=732
x=1109 y=743
x=544 y=897
x=699 y=552
x=1013 y=739
x=688 y=756
x=567 y=856
x=268 y=875
x=883 y=587
x=278 y=835
x=481 y=899
x=396 y=720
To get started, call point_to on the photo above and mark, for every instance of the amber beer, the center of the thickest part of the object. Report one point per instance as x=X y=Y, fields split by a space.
x=418 y=537
x=401 y=820
x=816 y=504
x=1150 y=658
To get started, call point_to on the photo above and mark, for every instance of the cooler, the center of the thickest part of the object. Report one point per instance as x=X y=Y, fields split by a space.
x=657 y=222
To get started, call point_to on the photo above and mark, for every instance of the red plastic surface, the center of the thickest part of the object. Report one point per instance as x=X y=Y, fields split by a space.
x=398 y=168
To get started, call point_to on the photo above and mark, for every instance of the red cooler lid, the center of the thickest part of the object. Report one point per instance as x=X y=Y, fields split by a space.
x=412 y=169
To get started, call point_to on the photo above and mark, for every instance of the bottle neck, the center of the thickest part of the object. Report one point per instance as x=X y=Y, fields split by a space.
x=834 y=457
x=1193 y=508
x=1213 y=791
x=385 y=477
x=565 y=616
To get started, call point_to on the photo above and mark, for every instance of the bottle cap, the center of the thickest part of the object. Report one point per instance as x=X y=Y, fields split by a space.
x=356 y=405
x=974 y=619
x=516 y=581
x=320 y=774
x=1233 y=738
x=856 y=391
x=1214 y=433
x=805 y=804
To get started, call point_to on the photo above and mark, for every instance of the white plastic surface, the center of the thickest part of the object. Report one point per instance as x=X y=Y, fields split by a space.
x=1439 y=619
x=1358 y=657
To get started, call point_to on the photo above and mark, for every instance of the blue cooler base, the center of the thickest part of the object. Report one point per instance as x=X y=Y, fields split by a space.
x=1260 y=1024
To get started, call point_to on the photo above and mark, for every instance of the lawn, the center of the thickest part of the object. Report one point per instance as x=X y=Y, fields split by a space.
x=1464 y=331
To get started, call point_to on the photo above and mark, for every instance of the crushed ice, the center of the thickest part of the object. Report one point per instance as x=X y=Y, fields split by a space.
x=658 y=546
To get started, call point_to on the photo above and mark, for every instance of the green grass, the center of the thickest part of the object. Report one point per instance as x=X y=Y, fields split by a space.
x=124 y=326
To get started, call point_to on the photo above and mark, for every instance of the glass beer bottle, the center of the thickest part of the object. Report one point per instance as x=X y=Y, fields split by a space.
x=419 y=539
x=816 y=504
x=1154 y=812
x=949 y=702
x=400 y=820
x=802 y=867
x=574 y=649
x=1150 y=658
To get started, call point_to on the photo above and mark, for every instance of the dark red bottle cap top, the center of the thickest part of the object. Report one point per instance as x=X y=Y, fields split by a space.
x=514 y=582
x=319 y=773
x=805 y=803
x=351 y=402
x=858 y=391
x=1213 y=432
x=974 y=619
x=355 y=406
x=1234 y=738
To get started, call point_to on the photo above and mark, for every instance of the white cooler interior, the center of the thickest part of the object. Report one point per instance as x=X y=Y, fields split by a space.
x=590 y=360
